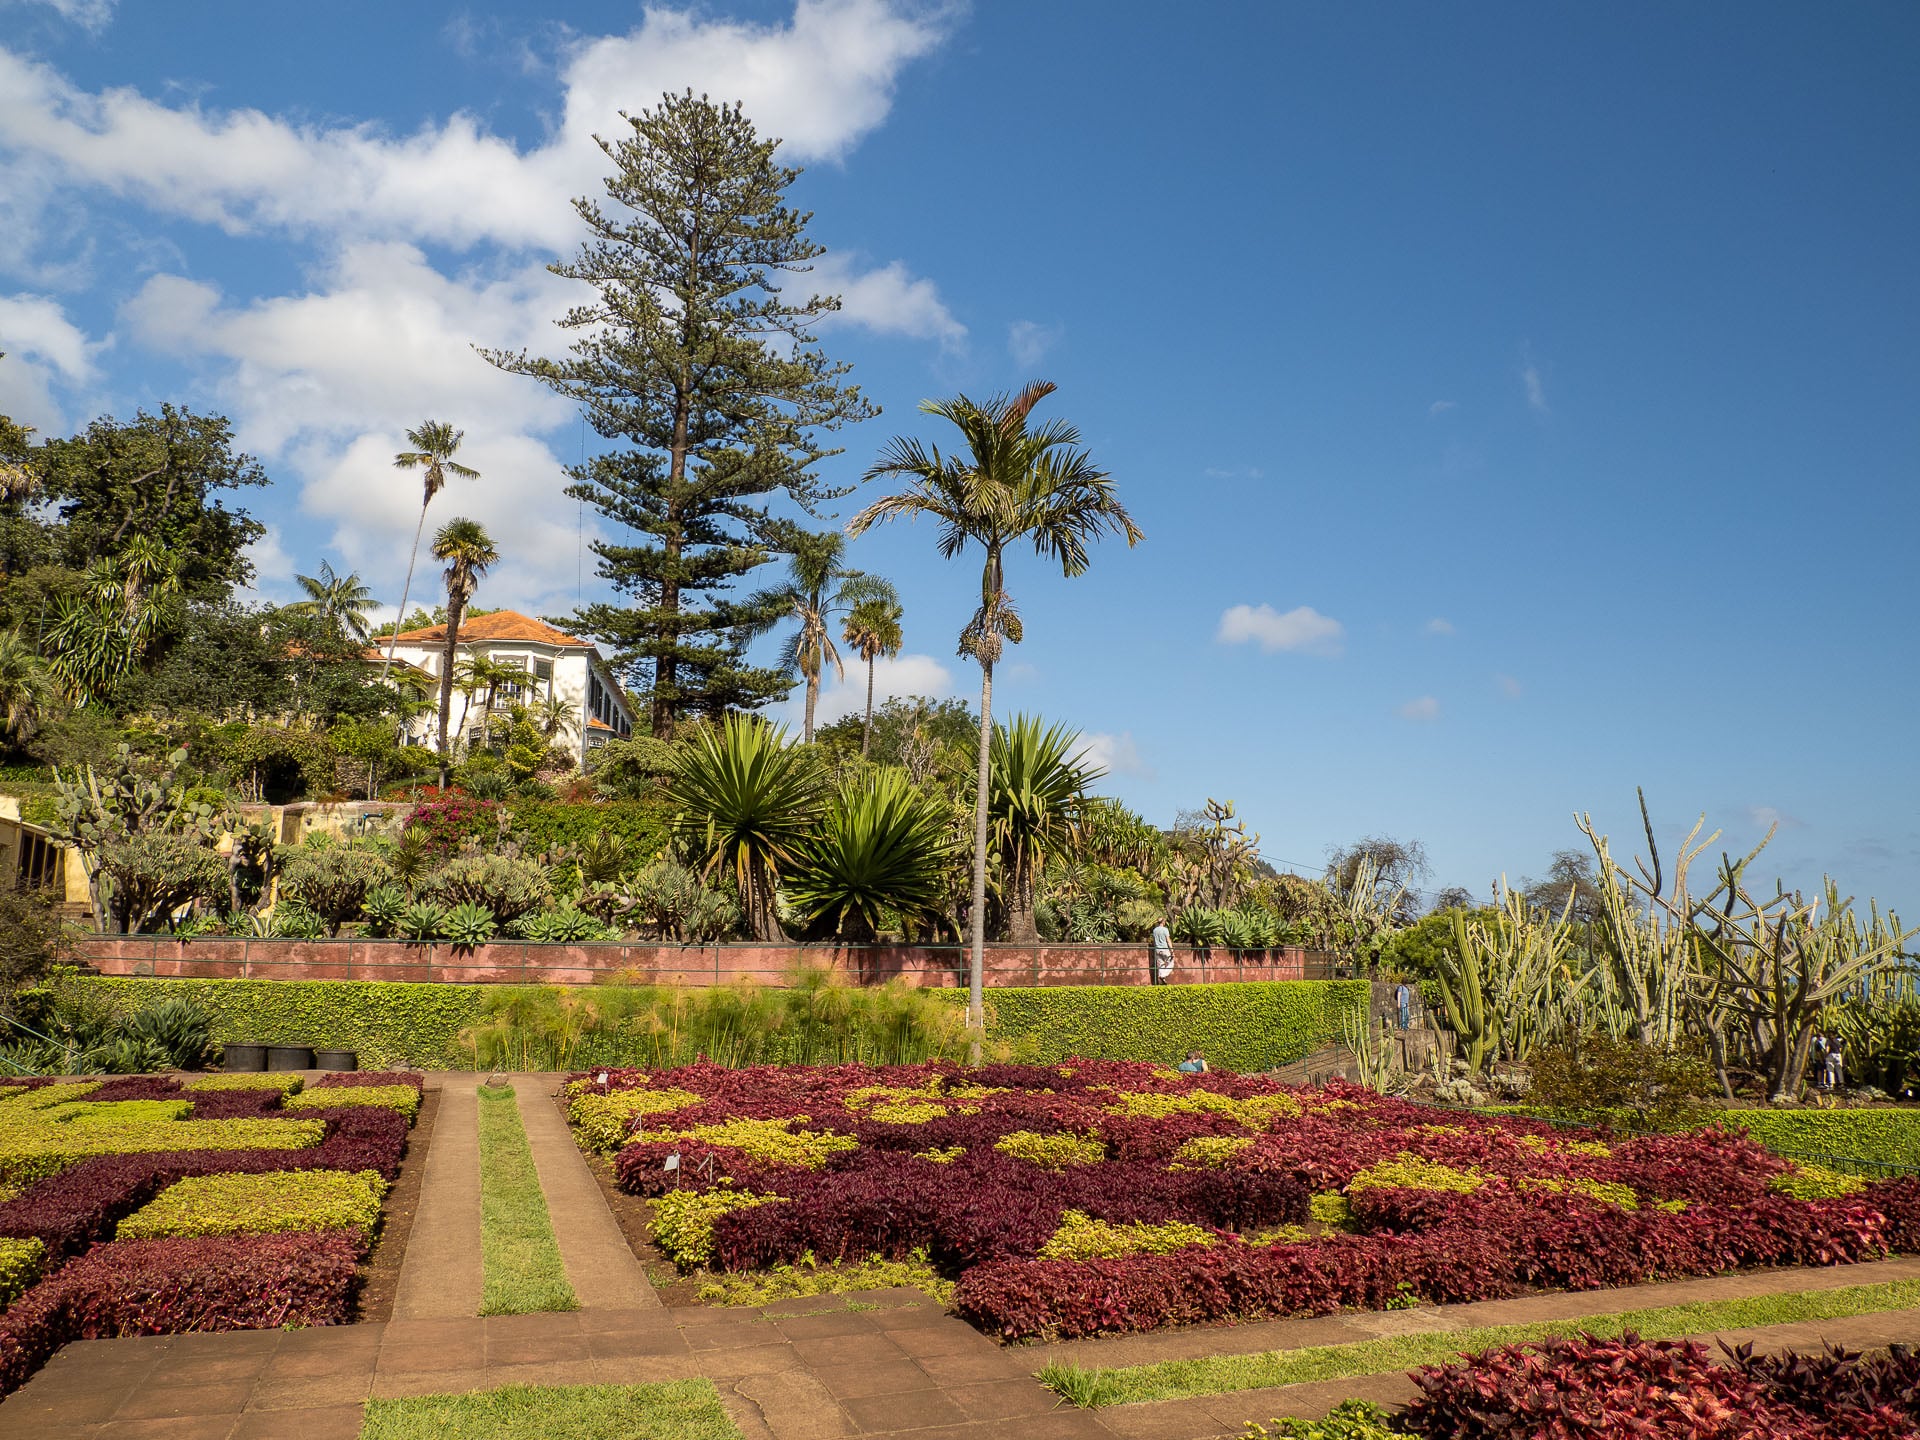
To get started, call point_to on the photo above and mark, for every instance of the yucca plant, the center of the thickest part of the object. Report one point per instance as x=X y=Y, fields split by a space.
x=748 y=803
x=882 y=848
x=1034 y=794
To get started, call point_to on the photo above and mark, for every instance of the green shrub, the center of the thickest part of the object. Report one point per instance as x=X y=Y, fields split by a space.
x=385 y=1023
x=1080 y=1237
x=283 y=1081
x=504 y=886
x=1247 y=1027
x=602 y=1120
x=642 y=824
x=404 y=1098
x=683 y=1221
x=20 y=1265
x=1052 y=1152
x=1886 y=1137
x=1655 y=1088
x=332 y=880
x=277 y=1202
x=1350 y=1420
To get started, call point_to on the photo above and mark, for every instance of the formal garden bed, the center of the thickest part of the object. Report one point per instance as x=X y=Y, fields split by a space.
x=146 y=1205
x=1104 y=1197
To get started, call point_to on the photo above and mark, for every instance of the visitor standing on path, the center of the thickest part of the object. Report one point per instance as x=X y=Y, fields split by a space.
x=1162 y=970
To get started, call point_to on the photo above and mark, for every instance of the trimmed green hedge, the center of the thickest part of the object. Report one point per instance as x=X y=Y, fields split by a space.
x=1246 y=1026
x=1889 y=1137
x=385 y=1023
x=275 y=1203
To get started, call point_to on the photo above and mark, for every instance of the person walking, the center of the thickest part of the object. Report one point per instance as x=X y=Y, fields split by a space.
x=1836 y=1067
x=1162 y=968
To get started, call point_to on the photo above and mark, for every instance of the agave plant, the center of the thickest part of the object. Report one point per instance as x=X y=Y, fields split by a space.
x=563 y=926
x=421 y=920
x=748 y=803
x=1197 y=925
x=882 y=847
x=467 y=925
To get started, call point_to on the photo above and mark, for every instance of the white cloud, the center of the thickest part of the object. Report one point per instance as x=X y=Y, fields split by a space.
x=1763 y=817
x=89 y=14
x=1509 y=687
x=1423 y=709
x=1302 y=628
x=821 y=82
x=902 y=676
x=1439 y=625
x=1440 y=407
x=1535 y=385
x=1114 y=754
x=1028 y=341
x=889 y=301
x=43 y=349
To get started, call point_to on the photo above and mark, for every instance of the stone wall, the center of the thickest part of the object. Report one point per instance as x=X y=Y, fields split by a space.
x=513 y=962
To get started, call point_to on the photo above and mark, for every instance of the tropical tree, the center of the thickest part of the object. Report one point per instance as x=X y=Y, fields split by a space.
x=27 y=689
x=434 y=444
x=340 y=601
x=1035 y=792
x=555 y=719
x=477 y=673
x=818 y=587
x=872 y=628
x=98 y=638
x=749 y=802
x=469 y=552
x=1014 y=485
x=881 y=850
x=697 y=358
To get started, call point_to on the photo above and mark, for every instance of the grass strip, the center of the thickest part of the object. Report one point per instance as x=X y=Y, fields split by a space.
x=677 y=1410
x=1224 y=1374
x=520 y=1259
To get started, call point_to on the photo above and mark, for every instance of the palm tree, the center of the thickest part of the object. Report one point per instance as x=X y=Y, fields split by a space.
x=818 y=588
x=469 y=553
x=434 y=443
x=483 y=672
x=1033 y=806
x=555 y=718
x=1014 y=484
x=27 y=689
x=339 y=600
x=873 y=629
x=750 y=802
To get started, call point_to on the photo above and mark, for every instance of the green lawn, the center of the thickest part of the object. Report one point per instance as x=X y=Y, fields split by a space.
x=680 y=1410
x=519 y=1256
x=1223 y=1374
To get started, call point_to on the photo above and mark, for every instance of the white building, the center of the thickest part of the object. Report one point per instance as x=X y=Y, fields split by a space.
x=554 y=662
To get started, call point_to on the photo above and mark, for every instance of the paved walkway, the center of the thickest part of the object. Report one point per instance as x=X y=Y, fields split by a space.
x=885 y=1365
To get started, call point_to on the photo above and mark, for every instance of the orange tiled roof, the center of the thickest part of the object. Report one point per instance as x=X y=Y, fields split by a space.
x=508 y=625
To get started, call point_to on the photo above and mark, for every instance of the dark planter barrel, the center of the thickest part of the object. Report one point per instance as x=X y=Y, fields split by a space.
x=289 y=1057
x=335 y=1060
x=243 y=1057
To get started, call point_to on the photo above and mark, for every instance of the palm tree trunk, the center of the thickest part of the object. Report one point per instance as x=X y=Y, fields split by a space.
x=405 y=590
x=446 y=683
x=976 y=1013
x=813 y=696
x=866 y=729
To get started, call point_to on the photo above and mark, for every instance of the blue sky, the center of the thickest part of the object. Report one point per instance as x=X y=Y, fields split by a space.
x=1519 y=401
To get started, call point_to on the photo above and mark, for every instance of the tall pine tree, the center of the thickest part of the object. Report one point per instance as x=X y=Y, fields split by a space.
x=712 y=384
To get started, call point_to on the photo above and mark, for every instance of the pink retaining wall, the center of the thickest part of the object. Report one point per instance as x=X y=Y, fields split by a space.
x=512 y=962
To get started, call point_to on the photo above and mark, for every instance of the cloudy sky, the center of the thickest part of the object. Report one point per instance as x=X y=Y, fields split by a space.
x=1519 y=402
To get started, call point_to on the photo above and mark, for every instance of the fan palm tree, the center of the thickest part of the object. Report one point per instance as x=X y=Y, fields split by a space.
x=1033 y=806
x=469 y=552
x=339 y=600
x=434 y=444
x=27 y=689
x=750 y=802
x=1013 y=485
x=555 y=718
x=881 y=848
x=872 y=629
x=818 y=588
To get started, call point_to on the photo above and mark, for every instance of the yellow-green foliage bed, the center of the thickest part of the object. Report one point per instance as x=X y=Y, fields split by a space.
x=278 y=1202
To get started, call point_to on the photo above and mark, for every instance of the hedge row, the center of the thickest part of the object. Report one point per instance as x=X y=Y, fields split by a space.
x=384 y=1023
x=1890 y=1137
x=1248 y=1026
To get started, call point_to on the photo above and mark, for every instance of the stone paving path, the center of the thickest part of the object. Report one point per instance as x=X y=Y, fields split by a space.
x=885 y=1365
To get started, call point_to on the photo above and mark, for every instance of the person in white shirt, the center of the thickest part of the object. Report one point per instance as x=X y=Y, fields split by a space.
x=1162 y=971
